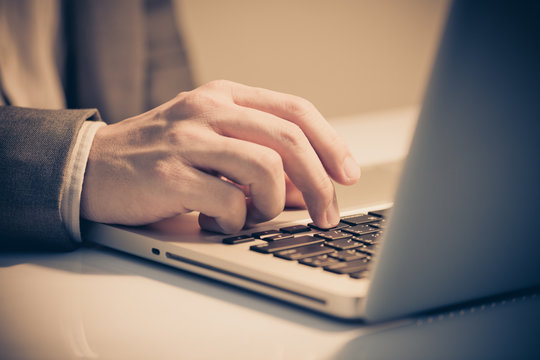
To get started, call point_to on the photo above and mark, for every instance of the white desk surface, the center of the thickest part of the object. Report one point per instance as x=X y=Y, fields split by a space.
x=96 y=303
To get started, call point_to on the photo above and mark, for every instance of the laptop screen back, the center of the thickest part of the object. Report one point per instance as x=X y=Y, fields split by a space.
x=465 y=222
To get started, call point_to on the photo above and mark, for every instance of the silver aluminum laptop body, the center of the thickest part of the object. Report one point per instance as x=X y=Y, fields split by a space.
x=464 y=221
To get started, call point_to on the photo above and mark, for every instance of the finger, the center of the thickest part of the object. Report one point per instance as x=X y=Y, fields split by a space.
x=331 y=149
x=300 y=161
x=293 y=196
x=219 y=200
x=246 y=164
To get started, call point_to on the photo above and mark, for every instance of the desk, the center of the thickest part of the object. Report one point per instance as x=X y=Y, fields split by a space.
x=96 y=303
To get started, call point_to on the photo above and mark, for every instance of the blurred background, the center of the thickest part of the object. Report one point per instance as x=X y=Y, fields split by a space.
x=346 y=56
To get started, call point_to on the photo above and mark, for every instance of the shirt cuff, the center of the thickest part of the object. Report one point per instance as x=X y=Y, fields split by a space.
x=76 y=167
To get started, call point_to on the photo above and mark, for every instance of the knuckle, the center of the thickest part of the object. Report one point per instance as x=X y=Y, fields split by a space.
x=198 y=101
x=299 y=107
x=292 y=136
x=181 y=95
x=219 y=84
x=269 y=162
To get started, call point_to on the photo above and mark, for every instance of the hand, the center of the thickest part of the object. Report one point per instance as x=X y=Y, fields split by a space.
x=236 y=154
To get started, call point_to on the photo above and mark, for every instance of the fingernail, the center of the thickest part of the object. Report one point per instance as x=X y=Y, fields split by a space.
x=351 y=168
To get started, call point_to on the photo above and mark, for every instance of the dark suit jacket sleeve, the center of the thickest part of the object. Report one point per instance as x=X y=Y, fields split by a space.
x=34 y=149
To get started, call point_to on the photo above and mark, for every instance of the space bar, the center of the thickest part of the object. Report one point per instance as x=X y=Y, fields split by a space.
x=286 y=244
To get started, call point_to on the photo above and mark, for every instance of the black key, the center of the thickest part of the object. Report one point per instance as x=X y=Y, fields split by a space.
x=333 y=235
x=368 y=239
x=348 y=255
x=344 y=244
x=295 y=229
x=318 y=261
x=359 y=219
x=285 y=244
x=304 y=252
x=311 y=232
x=347 y=267
x=278 y=237
x=238 y=239
x=361 y=229
x=380 y=213
x=337 y=227
x=381 y=224
x=359 y=274
x=264 y=234
x=369 y=250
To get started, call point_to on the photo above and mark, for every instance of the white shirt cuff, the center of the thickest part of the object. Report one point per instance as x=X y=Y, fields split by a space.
x=76 y=167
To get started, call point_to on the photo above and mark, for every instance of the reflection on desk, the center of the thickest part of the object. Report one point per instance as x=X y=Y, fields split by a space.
x=508 y=328
x=101 y=304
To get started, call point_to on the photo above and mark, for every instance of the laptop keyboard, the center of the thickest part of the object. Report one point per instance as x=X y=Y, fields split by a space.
x=345 y=249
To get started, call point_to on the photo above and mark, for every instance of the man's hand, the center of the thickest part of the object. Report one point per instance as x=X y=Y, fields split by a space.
x=234 y=153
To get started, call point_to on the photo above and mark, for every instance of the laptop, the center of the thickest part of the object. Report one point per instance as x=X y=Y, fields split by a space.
x=464 y=222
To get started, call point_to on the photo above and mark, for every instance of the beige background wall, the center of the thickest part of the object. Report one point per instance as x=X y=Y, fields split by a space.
x=345 y=56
